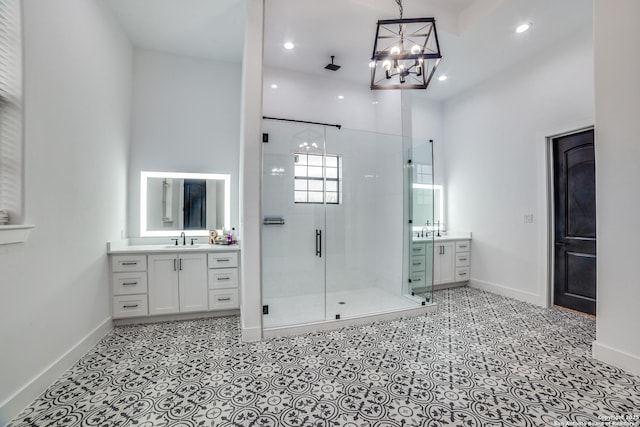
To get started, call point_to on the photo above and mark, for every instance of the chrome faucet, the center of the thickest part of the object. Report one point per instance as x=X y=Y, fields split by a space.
x=184 y=239
x=425 y=230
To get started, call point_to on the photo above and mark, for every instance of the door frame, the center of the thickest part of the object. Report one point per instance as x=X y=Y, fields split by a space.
x=547 y=225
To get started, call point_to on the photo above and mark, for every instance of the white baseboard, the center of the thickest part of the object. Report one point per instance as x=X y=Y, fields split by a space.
x=615 y=357
x=507 y=292
x=251 y=334
x=172 y=317
x=34 y=388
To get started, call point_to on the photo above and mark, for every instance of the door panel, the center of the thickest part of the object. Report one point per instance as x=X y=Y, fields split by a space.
x=293 y=263
x=193 y=282
x=575 y=222
x=163 y=284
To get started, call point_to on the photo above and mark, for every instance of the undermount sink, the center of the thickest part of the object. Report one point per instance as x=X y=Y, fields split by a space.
x=182 y=246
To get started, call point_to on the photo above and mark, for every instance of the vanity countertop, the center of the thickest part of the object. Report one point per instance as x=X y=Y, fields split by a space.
x=126 y=248
x=445 y=237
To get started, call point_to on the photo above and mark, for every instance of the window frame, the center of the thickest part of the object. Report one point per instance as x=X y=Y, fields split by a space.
x=324 y=178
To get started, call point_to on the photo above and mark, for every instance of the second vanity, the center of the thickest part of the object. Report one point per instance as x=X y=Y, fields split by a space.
x=451 y=259
x=160 y=280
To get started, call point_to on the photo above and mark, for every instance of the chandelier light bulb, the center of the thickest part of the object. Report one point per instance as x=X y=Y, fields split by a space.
x=395 y=50
x=372 y=64
x=387 y=65
x=415 y=49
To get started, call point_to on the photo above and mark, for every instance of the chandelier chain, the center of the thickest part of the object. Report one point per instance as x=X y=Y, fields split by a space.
x=399 y=3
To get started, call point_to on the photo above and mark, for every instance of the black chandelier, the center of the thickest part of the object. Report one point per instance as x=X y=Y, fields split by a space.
x=406 y=53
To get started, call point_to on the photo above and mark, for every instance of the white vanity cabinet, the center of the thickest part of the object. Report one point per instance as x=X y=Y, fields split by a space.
x=129 y=285
x=463 y=260
x=223 y=281
x=451 y=261
x=443 y=262
x=159 y=280
x=177 y=283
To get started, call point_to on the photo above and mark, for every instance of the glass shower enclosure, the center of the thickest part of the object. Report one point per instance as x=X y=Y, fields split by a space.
x=337 y=240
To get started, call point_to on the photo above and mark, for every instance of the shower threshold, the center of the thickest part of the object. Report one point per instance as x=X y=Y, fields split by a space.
x=300 y=314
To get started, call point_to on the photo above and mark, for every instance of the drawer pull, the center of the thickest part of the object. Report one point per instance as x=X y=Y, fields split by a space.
x=130 y=306
x=224 y=278
x=129 y=283
x=223 y=260
x=463 y=274
x=416 y=249
x=224 y=299
x=462 y=259
x=416 y=280
x=129 y=262
x=417 y=263
x=462 y=246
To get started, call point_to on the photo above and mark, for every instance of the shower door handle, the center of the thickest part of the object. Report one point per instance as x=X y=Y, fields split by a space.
x=319 y=243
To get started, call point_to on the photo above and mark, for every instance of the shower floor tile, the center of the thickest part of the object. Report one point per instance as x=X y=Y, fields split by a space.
x=480 y=360
x=310 y=308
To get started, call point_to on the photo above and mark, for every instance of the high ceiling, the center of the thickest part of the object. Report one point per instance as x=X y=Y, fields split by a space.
x=477 y=37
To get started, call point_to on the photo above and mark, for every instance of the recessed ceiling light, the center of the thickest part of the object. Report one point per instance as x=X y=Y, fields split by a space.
x=443 y=77
x=340 y=96
x=288 y=45
x=274 y=86
x=522 y=28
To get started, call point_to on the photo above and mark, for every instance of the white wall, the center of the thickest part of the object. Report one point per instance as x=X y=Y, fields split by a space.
x=617 y=97
x=314 y=98
x=427 y=124
x=250 y=173
x=55 y=289
x=495 y=166
x=186 y=118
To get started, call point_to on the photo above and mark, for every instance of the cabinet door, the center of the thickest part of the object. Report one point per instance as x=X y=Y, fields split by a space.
x=193 y=282
x=444 y=263
x=163 y=284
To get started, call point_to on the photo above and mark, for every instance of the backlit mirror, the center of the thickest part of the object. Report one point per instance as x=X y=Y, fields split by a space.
x=428 y=207
x=173 y=202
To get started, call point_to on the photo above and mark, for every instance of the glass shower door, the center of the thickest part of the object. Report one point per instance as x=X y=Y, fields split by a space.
x=421 y=215
x=293 y=231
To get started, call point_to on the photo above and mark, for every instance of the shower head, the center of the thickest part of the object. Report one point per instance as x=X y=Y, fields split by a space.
x=332 y=66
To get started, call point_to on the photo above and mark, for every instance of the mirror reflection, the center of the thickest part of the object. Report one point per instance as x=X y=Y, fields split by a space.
x=428 y=200
x=193 y=203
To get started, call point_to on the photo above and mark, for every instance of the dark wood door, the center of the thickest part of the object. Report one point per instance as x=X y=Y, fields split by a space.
x=195 y=204
x=575 y=222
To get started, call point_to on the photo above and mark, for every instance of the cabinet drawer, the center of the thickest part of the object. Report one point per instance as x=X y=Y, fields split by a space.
x=129 y=306
x=223 y=299
x=463 y=246
x=221 y=278
x=128 y=263
x=130 y=283
x=418 y=263
x=418 y=249
x=418 y=279
x=463 y=259
x=223 y=260
x=462 y=274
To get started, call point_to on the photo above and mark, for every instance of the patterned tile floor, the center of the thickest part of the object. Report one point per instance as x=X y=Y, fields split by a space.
x=481 y=360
